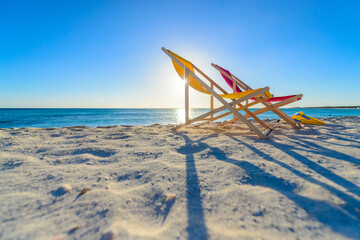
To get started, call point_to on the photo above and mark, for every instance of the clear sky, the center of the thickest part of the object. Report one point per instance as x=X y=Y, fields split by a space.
x=107 y=53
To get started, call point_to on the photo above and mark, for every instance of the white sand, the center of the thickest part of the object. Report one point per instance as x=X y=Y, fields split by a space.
x=192 y=183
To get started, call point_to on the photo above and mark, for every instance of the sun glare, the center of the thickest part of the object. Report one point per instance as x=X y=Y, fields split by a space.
x=179 y=86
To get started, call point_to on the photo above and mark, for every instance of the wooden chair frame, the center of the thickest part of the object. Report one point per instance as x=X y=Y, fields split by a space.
x=231 y=106
x=268 y=106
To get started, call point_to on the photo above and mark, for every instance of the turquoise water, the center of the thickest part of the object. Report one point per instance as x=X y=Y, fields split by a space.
x=10 y=118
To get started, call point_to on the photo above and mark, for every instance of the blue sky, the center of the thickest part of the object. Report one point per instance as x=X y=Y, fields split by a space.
x=107 y=53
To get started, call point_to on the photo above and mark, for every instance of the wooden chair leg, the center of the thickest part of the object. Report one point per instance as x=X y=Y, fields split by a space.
x=186 y=96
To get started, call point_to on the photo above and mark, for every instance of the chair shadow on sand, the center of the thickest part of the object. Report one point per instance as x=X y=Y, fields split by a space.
x=317 y=149
x=342 y=219
x=196 y=222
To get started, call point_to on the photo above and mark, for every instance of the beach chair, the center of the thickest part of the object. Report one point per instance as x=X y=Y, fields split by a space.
x=238 y=86
x=185 y=70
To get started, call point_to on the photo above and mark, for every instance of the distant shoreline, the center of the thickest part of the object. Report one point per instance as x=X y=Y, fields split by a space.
x=350 y=107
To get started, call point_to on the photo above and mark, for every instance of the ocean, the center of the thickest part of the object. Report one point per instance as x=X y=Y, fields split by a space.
x=56 y=117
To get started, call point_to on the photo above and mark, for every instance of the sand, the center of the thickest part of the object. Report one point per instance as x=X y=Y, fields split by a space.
x=160 y=182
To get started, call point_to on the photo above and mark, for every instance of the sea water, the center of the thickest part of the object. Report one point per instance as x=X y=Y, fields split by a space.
x=10 y=118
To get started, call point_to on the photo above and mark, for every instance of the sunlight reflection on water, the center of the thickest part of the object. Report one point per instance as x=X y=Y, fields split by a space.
x=180 y=113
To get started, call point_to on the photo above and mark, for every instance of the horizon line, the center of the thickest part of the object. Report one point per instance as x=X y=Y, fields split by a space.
x=358 y=106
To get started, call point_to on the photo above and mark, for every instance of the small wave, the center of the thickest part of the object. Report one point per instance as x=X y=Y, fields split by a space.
x=6 y=122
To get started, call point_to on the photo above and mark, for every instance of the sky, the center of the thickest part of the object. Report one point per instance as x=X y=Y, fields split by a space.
x=107 y=54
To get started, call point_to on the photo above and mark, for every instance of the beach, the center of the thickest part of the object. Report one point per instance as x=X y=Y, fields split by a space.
x=166 y=182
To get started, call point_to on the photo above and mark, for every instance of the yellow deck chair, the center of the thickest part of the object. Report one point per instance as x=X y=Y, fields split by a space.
x=238 y=86
x=185 y=70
